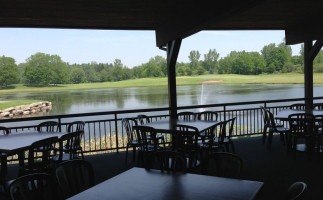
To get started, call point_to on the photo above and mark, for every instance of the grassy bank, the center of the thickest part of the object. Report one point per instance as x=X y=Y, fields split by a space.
x=8 y=104
x=289 y=78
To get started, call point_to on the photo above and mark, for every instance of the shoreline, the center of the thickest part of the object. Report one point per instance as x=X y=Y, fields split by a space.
x=28 y=109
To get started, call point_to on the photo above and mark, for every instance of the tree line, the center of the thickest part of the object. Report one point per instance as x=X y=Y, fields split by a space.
x=43 y=69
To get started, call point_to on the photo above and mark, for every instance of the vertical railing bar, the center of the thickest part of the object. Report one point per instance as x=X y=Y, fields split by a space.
x=116 y=128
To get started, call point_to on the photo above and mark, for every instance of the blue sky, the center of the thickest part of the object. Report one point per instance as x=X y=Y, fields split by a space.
x=132 y=47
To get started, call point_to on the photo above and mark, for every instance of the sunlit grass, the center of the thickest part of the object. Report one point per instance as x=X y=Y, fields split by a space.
x=8 y=104
x=286 y=78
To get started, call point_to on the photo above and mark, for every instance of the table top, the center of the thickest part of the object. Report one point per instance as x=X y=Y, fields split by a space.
x=283 y=115
x=167 y=125
x=20 y=141
x=139 y=183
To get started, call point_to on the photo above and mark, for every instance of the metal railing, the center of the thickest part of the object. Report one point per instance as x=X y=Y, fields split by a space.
x=104 y=131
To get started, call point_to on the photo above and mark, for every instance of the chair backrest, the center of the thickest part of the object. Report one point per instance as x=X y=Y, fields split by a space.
x=301 y=124
x=208 y=116
x=297 y=106
x=36 y=186
x=265 y=116
x=223 y=164
x=186 y=115
x=271 y=120
x=318 y=106
x=145 y=135
x=70 y=143
x=48 y=126
x=167 y=161
x=128 y=124
x=4 y=130
x=75 y=126
x=296 y=191
x=39 y=156
x=73 y=177
x=143 y=119
x=186 y=137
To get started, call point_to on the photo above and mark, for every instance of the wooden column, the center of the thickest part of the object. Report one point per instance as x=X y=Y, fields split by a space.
x=310 y=52
x=172 y=54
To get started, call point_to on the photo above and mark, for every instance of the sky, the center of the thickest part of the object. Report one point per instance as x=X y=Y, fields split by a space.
x=132 y=47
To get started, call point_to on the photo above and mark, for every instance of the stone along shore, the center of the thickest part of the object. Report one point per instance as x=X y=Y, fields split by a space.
x=23 y=110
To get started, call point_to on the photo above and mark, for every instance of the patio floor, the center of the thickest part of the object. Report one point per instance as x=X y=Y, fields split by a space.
x=277 y=169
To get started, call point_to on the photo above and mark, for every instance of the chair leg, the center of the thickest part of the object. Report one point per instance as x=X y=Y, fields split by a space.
x=134 y=153
x=264 y=134
x=270 y=138
x=232 y=147
x=127 y=154
x=282 y=138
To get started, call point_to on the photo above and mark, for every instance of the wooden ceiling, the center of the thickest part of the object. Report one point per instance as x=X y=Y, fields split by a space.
x=171 y=19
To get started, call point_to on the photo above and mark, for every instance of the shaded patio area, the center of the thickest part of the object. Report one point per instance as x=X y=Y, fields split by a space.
x=277 y=169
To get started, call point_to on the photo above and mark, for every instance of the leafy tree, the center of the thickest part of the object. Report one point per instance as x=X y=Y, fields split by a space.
x=77 y=76
x=8 y=71
x=194 y=58
x=211 y=61
x=275 y=57
x=44 y=69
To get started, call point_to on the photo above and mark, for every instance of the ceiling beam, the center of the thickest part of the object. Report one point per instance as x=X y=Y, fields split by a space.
x=303 y=34
x=185 y=24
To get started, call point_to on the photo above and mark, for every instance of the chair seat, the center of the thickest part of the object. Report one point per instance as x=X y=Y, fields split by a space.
x=281 y=129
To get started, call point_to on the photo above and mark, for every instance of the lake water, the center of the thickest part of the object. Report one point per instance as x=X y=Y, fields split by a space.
x=98 y=100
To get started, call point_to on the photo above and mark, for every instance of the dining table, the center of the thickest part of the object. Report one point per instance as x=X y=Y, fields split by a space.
x=18 y=143
x=167 y=125
x=140 y=183
x=283 y=114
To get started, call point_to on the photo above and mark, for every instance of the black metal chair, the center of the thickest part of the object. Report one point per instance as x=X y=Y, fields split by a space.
x=73 y=177
x=132 y=140
x=186 y=116
x=4 y=130
x=302 y=126
x=223 y=164
x=225 y=137
x=296 y=191
x=318 y=106
x=297 y=106
x=69 y=146
x=167 y=161
x=186 y=141
x=36 y=186
x=144 y=119
x=207 y=116
x=40 y=154
x=48 y=126
x=77 y=126
x=274 y=128
x=3 y=158
x=146 y=145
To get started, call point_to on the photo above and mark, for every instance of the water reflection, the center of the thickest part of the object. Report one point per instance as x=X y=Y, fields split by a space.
x=98 y=100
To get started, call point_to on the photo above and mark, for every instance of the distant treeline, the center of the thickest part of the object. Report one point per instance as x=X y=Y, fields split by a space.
x=43 y=69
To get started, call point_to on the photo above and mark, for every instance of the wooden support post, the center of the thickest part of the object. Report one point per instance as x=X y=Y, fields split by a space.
x=308 y=75
x=172 y=54
x=310 y=52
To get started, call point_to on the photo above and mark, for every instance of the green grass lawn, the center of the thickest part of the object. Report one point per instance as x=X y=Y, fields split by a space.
x=286 y=78
x=8 y=104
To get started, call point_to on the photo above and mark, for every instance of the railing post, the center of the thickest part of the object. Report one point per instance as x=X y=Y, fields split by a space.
x=265 y=105
x=225 y=113
x=59 y=124
x=116 y=126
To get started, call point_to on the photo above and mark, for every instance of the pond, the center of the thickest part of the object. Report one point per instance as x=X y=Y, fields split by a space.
x=110 y=99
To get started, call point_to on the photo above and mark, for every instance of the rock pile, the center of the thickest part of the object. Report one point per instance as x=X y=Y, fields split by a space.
x=22 y=110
